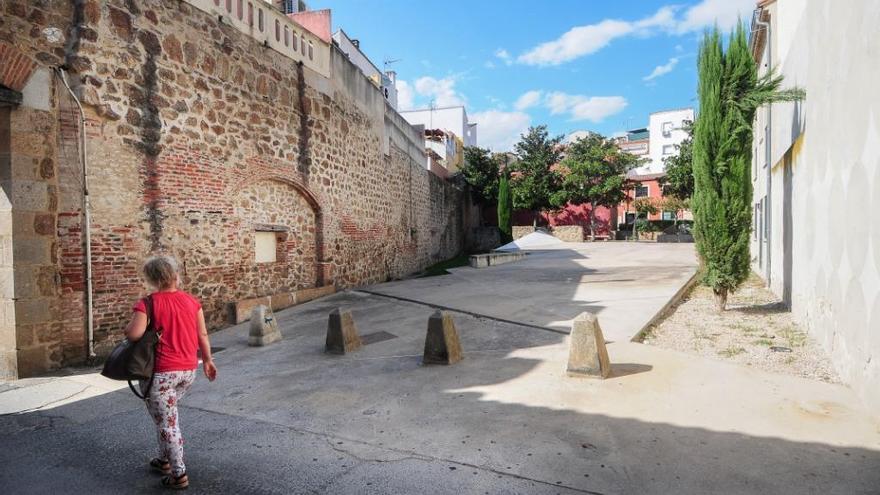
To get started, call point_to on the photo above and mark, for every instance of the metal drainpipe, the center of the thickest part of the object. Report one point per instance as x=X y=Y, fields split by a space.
x=768 y=219
x=87 y=230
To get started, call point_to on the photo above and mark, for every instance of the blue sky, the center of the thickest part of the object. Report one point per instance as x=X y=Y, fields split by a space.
x=574 y=65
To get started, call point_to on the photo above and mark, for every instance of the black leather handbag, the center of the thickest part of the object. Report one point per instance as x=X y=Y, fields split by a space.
x=135 y=360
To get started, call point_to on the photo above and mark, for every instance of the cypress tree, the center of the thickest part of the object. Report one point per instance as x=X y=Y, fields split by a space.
x=505 y=208
x=730 y=93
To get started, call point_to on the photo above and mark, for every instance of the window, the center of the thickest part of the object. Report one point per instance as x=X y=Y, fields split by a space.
x=668 y=215
x=286 y=36
x=294 y=41
x=260 y=19
x=668 y=149
x=229 y=6
x=302 y=44
x=250 y=14
x=667 y=129
x=239 y=8
x=310 y=50
x=641 y=191
x=277 y=31
x=265 y=247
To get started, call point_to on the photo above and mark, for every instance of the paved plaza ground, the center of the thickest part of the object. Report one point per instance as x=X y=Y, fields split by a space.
x=288 y=418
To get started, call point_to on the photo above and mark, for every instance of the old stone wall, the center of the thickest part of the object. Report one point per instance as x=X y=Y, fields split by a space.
x=199 y=138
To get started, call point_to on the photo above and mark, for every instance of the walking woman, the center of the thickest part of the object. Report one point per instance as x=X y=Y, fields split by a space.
x=179 y=318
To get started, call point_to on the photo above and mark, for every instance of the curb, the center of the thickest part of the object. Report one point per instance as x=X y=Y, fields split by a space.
x=666 y=309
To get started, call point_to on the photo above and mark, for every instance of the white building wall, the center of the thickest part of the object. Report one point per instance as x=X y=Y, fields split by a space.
x=662 y=144
x=829 y=146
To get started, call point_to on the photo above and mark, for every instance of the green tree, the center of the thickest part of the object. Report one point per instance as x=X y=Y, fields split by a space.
x=679 y=179
x=643 y=206
x=505 y=208
x=593 y=172
x=480 y=171
x=730 y=93
x=533 y=179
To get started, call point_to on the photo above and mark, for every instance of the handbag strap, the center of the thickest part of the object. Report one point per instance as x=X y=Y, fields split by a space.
x=146 y=392
x=148 y=305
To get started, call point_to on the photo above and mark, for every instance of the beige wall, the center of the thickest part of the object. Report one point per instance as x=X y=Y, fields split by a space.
x=832 y=142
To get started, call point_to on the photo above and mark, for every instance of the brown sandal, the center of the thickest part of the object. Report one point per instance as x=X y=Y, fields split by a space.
x=160 y=466
x=176 y=482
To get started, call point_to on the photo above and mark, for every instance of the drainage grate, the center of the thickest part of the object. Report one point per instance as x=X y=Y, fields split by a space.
x=372 y=338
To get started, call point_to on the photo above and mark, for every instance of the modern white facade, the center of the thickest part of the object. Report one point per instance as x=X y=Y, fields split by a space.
x=816 y=177
x=665 y=130
x=453 y=119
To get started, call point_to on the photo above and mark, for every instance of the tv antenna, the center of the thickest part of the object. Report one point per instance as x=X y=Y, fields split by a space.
x=388 y=61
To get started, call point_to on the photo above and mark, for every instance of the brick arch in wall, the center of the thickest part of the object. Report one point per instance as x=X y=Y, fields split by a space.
x=321 y=276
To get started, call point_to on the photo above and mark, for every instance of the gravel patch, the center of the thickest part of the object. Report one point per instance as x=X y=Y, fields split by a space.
x=756 y=330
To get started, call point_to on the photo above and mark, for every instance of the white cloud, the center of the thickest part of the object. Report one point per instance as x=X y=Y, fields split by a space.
x=505 y=57
x=442 y=91
x=405 y=96
x=662 y=69
x=584 y=40
x=528 y=100
x=708 y=12
x=580 y=107
x=498 y=130
x=575 y=43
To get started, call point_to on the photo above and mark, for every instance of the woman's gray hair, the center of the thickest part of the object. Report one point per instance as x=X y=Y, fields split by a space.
x=161 y=271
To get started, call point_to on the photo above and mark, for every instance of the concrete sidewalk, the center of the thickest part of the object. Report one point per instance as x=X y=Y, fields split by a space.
x=289 y=419
x=626 y=284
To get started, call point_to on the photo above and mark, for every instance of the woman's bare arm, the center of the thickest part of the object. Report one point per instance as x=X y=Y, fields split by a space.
x=205 y=346
x=136 y=327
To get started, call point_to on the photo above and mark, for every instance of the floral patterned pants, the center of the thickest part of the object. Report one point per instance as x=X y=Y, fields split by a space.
x=167 y=390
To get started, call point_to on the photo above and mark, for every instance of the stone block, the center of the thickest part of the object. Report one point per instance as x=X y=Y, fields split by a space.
x=442 y=345
x=8 y=364
x=587 y=355
x=306 y=295
x=33 y=361
x=282 y=300
x=35 y=251
x=342 y=336
x=34 y=311
x=264 y=327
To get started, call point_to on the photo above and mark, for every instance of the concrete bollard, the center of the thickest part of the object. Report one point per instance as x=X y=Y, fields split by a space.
x=587 y=355
x=264 y=328
x=342 y=336
x=441 y=343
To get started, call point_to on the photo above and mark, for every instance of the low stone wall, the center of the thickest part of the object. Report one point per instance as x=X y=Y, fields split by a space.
x=568 y=233
x=279 y=301
x=565 y=233
x=522 y=230
x=492 y=259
